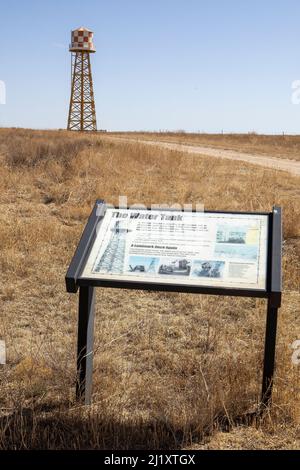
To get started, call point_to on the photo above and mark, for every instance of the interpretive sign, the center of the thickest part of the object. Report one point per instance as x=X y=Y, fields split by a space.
x=210 y=252
x=201 y=249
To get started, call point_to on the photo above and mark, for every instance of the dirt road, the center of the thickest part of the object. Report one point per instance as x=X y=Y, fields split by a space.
x=283 y=164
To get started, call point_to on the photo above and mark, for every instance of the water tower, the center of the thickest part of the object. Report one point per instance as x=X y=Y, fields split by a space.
x=82 y=114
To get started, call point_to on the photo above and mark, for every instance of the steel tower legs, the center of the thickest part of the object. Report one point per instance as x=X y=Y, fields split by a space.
x=82 y=113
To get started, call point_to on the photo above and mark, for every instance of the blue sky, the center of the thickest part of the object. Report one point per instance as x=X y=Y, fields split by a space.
x=169 y=64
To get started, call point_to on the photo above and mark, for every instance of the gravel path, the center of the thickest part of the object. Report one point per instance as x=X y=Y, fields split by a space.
x=292 y=166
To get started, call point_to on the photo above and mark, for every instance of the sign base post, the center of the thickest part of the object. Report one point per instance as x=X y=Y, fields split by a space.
x=85 y=344
x=269 y=356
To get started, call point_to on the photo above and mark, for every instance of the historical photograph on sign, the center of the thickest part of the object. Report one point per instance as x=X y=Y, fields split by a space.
x=249 y=252
x=194 y=248
x=230 y=234
x=142 y=264
x=179 y=267
x=113 y=258
x=208 y=268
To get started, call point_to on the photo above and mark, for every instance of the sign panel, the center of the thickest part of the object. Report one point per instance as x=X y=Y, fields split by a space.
x=219 y=253
x=188 y=248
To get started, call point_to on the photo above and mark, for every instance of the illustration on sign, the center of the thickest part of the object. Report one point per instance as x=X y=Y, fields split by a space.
x=194 y=248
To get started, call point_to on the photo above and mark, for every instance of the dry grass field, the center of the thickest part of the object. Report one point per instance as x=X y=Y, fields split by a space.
x=171 y=370
x=280 y=146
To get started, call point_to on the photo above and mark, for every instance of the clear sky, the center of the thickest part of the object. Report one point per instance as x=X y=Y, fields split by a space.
x=196 y=65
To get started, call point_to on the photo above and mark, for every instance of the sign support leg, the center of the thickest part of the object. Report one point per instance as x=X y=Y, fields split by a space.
x=269 y=357
x=85 y=344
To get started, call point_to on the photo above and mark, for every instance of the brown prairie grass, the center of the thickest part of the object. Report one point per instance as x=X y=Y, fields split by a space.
x=170 y=369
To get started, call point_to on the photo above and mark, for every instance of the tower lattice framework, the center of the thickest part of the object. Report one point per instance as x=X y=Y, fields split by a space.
x=82 y=113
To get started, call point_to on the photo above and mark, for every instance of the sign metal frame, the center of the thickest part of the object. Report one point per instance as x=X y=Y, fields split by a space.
x=86 y=286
